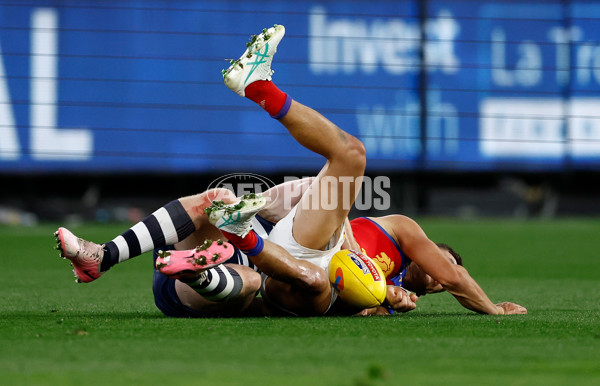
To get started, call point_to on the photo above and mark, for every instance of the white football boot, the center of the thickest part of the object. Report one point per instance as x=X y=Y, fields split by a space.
x=236 y=218
x=255 y=63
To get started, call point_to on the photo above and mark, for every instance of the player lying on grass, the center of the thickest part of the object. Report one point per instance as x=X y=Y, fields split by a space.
x=409 y=259
x=309 y=232
x=295 y=285
x=306 y=230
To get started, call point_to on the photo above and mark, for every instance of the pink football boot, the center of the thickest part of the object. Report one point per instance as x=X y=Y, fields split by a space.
x=182 y=264
x=85 y=256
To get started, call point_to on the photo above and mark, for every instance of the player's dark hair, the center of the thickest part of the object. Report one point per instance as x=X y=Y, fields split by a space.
x=452 y=252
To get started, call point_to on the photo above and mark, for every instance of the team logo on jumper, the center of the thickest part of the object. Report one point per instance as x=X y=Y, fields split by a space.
x=384 y=262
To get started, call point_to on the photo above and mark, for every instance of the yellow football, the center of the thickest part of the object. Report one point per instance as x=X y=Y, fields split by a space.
x=357 y=279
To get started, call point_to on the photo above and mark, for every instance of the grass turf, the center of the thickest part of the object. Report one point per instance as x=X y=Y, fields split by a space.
x=55 y=332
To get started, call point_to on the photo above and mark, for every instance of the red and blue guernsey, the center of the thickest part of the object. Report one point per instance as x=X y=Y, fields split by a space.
x=380 y=246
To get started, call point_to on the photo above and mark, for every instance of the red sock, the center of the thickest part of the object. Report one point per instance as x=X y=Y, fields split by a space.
x=251 y=244
x=267 y=96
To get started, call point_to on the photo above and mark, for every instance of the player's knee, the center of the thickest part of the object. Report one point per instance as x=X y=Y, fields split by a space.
x=252 y=281
x=355 y=154
x=359 y=151
x=314 y=280
x=196 y=204
x=219 y=194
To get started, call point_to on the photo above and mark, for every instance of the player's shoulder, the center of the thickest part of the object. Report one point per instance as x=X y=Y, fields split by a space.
x=393 y=220
x=398 y=225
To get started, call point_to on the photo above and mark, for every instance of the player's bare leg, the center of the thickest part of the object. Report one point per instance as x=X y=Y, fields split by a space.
x=338 y=182
x=195 y=206
x=314 y=225
x=224 y=290
x=240 y=300
x=340 y=179
x=299 y=285
x=179 y=221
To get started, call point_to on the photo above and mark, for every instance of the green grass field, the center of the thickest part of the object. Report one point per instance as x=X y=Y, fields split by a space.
x=56 y=332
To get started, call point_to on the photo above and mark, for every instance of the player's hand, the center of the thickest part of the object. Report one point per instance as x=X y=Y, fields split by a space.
x=512 y=308
x=378 y=311
x=400 y=300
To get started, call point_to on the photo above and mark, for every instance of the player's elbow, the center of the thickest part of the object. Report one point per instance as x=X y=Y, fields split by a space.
x=453 y=280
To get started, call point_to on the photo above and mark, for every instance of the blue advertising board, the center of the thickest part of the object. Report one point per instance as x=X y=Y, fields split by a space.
x=135 y=86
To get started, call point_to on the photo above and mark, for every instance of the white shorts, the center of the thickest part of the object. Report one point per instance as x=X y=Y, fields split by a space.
x=282 y=235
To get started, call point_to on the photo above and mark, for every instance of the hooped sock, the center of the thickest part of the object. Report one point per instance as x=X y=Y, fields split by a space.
x=218 y=284
x=269 y=97
x=251 y=244
x=168 y=225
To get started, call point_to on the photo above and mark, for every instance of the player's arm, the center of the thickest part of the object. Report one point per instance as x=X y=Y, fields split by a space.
x=453 y=278
x=349 y=240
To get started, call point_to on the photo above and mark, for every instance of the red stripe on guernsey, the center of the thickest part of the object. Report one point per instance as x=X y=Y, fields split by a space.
x=377 y=244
